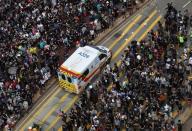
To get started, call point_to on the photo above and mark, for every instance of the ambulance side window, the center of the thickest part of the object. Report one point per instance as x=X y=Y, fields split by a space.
x=85 y=73
x=74 y=80
x=69 y=79
x=101 y=56
x=63 y=77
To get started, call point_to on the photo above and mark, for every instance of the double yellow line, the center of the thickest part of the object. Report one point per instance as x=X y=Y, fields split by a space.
x=66 y=108
x=43 y=105
x=125 y=31
x=133 y=35
x=55 y=107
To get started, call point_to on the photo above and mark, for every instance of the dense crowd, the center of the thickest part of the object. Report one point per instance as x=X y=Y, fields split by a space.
x=31 y=32
x=150 y=83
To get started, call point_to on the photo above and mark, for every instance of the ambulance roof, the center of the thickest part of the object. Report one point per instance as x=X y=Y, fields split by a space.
x=81 y=59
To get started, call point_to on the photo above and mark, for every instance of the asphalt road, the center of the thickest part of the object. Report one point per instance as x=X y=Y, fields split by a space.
x=188 y=125
x=137 y=27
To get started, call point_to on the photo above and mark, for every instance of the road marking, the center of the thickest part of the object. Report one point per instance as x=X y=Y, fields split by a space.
x=187 y=3
x=133 y=35
x=54 y=108
x=66 y=108
x=185 y=115
x=25 y=122
x=132 y=23
x=131 y=18
x=150 y=28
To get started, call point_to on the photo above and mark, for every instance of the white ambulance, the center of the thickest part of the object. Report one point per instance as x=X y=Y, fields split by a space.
x=75 y=73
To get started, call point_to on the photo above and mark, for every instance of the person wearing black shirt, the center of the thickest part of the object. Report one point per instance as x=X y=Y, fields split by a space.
x=179 y=125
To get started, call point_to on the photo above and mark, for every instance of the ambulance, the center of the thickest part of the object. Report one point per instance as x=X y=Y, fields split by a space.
x=77 y=71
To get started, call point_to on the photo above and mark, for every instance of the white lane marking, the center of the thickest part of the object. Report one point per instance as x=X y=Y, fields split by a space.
x=187 y=3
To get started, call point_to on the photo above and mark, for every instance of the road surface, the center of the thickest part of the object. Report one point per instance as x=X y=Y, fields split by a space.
x=188 y=125
x=134 y=28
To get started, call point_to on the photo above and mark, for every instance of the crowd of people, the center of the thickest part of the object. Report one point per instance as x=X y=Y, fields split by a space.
x=31 y=32
x=148 y=86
